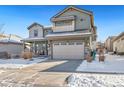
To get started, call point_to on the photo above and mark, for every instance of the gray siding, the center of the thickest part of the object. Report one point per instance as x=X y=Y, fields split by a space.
x=85 y=24
x=40 y=31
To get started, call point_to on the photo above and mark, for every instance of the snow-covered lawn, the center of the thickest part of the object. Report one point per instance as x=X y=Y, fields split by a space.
x=96 y=80
x=19 y=63
x=1 y=71
x=112 y=64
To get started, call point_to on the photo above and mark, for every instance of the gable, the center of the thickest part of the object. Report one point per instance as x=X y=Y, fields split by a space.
x=34 y=25
x=73 y=12
x=70 y=9
x=80 y=13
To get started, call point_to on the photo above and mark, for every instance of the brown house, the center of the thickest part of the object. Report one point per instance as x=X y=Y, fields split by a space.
x=109 y=43
x=118 y=44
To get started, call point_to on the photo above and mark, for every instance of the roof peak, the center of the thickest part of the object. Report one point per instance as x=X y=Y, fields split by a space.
x=75 y=7
x=33 y=24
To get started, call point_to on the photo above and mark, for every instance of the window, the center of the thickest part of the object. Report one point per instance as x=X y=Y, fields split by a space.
x=56 y=44
x=46 y=32
x=35 y=33
x=71 y=43
x=63 y=43
x=63 y=23
x=49 y=31
x=79 y=43
x=81 y=19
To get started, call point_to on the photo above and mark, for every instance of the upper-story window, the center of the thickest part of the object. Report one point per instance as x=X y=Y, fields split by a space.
x=49 y=31
x=35 y=33
x=63 y=23
x=46 y=32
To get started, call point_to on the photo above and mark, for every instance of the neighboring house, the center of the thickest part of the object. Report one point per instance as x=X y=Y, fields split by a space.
x=10 y=37
x=2 y=36
x=118 y=44
x=109 y=43
x=71 y=35
x=14 y=48
x=11 y=44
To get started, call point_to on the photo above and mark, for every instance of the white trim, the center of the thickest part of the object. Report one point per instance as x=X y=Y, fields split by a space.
x=34 y=39
x=67 y=34
x=63 y=18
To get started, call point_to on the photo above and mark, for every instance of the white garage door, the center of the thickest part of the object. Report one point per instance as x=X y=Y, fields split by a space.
x=68 y=50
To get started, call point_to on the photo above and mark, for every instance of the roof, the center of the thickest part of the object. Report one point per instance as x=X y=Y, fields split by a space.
x=33 y=39
x=72 y=34
x=34 y=25
x=9 y=41
x=74 y=7
x=119 y=36
x=48 y=27
x=2 y=36
x=111 y=37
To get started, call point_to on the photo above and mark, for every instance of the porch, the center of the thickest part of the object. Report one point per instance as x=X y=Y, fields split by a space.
x=37 y=46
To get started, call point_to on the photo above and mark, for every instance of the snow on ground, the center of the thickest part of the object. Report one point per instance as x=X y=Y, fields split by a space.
x=19 y=63
x=96 y=80
x=113 y=67
x=1 y=71
x=112 y=64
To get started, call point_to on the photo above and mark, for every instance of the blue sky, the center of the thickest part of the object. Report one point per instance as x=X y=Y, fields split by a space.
x=108 y=19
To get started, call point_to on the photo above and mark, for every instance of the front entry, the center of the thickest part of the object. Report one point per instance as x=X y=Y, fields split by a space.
x=39 y=48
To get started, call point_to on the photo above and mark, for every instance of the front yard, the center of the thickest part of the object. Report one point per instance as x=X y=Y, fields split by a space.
x=96 y=80
x=43 y=72
x=20 y=63
x=112 y=64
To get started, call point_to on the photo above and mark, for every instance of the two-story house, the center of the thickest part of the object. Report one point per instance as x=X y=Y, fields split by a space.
x=71 y=35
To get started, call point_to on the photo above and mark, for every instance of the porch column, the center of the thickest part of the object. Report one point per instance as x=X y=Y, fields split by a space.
x=23 y=46
x=51 y=49
x=46 y=48
x=34 y=47
x=31 y=45
x=91 y=42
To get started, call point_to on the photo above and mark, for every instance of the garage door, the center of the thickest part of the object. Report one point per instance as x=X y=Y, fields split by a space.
x=68 y=50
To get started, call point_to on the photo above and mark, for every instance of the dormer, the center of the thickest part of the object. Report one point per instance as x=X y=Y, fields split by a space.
x=36 y=31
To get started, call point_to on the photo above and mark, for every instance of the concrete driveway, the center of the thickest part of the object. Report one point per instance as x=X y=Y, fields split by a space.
x=67 y=66
x=43 y=74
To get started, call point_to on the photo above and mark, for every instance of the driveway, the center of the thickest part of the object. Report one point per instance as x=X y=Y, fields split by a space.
x=42 y=74
x=67 y=66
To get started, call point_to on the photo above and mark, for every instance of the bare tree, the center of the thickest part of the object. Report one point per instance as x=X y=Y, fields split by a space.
x=1 y=27
x=1 y=30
